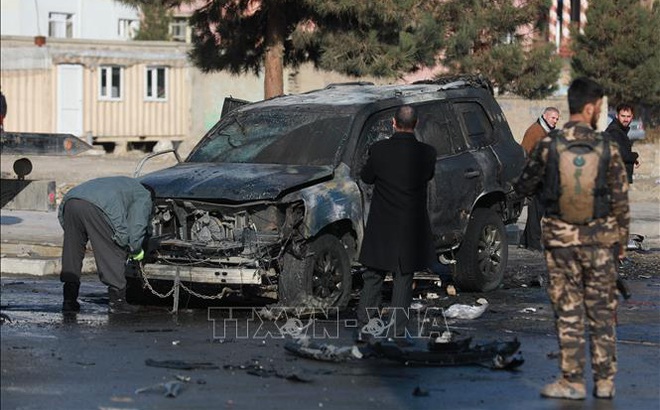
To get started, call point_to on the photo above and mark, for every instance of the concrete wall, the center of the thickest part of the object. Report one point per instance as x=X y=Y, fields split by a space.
x=521 y=113
x=208 y=92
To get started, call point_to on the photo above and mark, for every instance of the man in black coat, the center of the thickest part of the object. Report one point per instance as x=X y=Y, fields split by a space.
x=398 y=236
x=618 y=130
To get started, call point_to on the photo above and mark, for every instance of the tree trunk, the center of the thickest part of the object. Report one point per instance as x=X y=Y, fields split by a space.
x=274 y=58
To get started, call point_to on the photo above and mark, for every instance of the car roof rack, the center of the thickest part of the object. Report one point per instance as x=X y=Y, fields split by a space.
x=452 y=81
x=348 y=83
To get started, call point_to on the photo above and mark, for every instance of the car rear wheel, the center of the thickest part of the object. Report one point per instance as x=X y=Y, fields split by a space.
x=482 y=257
x=322 y=278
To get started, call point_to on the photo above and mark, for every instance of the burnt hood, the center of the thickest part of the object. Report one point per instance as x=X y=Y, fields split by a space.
x=232 y=182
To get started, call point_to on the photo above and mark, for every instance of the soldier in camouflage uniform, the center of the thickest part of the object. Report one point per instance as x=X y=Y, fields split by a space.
x=581 y=259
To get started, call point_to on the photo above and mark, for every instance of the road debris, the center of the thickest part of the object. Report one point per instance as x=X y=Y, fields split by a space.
x=441 y=350
x=256 y=369
x=168 y=389
x=4 y=318
x=419 y=392
x=636 y=242
x=180 y=364
x=495 y=355
x=458 y=311
x=305 y=347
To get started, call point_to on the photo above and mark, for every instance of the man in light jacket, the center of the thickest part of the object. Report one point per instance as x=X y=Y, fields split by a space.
x=114 y=214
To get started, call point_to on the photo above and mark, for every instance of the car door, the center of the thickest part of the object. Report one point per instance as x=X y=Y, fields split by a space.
x=377 y=127
x=457 y=173
x=479 y=132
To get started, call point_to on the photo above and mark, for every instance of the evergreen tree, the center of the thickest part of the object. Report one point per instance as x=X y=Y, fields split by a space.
x=620 y=48
x=155 y=24
x=355 y=37
x=485 y=37
x=388 y=38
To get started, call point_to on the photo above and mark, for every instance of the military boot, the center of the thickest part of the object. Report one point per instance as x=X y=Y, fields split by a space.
x=564 y=389
x=604 y=389
x=70 y=292
x=118 y=303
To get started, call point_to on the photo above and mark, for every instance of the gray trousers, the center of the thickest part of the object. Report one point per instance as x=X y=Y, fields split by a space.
x=371 y=296
x=84 y=222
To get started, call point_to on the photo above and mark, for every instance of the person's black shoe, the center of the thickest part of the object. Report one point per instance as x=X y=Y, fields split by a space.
x=70 y=306
x=70 y=303
x=118 y=303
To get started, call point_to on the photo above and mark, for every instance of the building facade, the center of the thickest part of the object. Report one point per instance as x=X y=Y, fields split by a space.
x=75 y=19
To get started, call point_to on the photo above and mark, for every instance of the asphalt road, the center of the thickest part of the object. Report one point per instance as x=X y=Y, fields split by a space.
x=99 y=361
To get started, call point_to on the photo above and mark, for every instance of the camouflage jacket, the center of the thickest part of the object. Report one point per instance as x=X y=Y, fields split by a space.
x=606 y=231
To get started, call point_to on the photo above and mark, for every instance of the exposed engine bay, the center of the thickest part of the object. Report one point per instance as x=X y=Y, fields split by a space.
x=229 y=244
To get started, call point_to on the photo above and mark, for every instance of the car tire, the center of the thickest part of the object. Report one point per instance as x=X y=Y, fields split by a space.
x=481 y=259
x=322 y=278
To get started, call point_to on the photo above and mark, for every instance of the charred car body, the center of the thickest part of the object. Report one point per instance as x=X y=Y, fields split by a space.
x=270 y=199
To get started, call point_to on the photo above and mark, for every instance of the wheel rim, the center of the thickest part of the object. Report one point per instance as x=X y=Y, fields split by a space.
x=489 y=253
x=327 y=277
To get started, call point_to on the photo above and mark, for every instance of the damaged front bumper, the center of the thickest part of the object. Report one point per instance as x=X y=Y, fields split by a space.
x=220 y=244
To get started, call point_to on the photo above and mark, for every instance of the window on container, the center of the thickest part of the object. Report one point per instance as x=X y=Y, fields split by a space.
x=178 y=28
x=60 y=25
x=127 y=28
x=110 y=87
x=156 y=84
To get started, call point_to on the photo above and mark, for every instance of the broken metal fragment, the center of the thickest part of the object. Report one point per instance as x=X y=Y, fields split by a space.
x=306 y=348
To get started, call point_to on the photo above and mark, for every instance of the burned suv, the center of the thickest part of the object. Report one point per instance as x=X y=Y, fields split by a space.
x=270 y=199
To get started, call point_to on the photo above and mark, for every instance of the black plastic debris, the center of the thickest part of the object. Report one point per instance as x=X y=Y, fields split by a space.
x=419 y=392
x=495 y=355
x=153 y=330
x=4 y=318
x=636 y=242
x=445 y=350
x=255 y=369
x=294 y=377
x=180 y=364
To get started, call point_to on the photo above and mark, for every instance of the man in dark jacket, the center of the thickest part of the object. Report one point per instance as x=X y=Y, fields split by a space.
x=114 y=214
x=618 y=130
x=398 y=236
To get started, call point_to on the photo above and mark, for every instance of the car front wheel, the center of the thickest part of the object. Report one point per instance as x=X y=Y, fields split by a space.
x=322 y=278
x=482 y=257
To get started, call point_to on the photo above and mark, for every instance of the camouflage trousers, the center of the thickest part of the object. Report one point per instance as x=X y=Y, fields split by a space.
x=582 y=286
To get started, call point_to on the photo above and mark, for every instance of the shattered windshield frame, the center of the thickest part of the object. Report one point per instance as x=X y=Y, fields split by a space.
x=282 y=135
